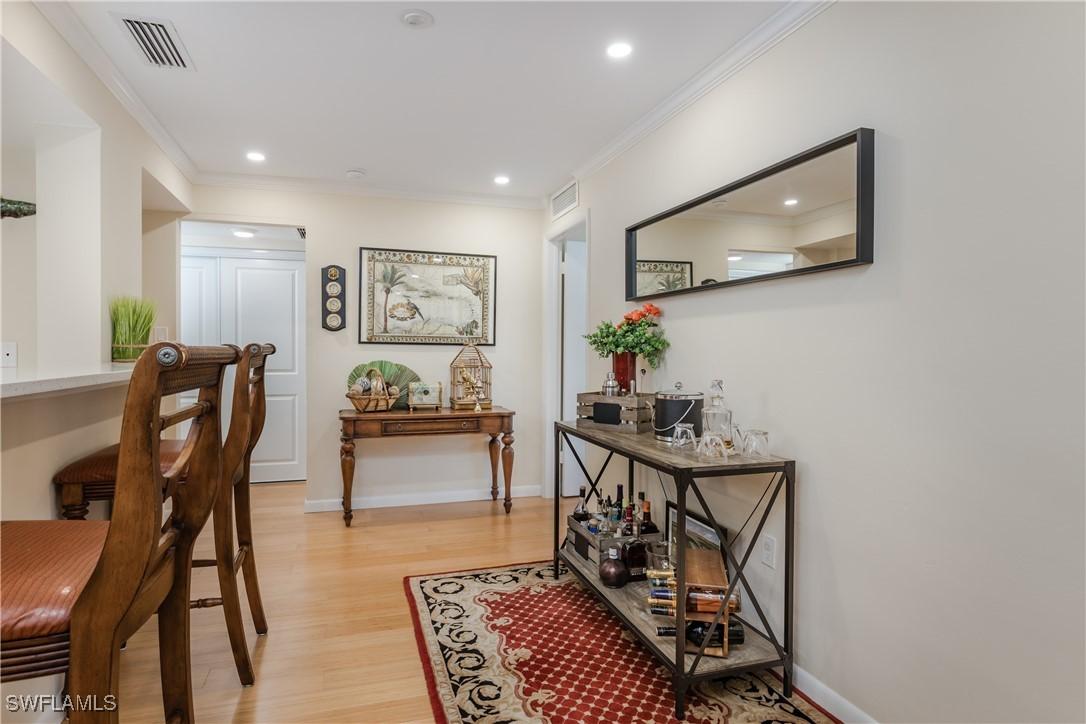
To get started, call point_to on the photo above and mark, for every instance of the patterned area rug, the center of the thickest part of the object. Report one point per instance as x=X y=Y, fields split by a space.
x=512 y=644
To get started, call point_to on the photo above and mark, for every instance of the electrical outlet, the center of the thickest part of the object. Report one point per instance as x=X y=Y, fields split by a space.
x=9 y=354
x=159 y=334
x=769 y=551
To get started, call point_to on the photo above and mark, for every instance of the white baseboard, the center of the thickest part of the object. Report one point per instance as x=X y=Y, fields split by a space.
x=420 y=498
x=829 y=699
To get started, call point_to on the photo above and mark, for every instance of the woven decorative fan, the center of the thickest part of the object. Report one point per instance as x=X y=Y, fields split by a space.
x=394 y=374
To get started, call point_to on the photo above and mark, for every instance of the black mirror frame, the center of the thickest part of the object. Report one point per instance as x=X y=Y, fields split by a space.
x=864 y=138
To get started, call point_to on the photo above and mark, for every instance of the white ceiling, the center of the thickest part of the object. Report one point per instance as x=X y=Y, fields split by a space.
x=524 y=89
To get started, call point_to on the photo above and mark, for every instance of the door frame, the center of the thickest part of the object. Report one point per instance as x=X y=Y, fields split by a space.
x=552 y=328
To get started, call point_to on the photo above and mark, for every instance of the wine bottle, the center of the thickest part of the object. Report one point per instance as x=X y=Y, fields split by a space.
x=696 y=630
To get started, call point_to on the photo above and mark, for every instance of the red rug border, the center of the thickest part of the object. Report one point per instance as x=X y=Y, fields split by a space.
x=424 y=655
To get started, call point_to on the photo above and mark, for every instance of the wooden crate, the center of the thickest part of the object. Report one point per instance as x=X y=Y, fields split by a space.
x=617 y=413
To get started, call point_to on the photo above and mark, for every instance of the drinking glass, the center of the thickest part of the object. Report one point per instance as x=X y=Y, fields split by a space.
x=756 y=443
x=659 y=558
x=684 y=435
x=712 y=445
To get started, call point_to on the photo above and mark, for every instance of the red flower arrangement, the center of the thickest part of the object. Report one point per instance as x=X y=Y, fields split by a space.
x=638 y=332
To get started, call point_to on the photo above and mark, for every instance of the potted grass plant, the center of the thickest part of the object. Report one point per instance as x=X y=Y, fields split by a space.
x=132 y=319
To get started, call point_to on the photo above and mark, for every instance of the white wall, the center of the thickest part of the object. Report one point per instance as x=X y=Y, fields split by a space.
x=934 y=400
x=421 y=469
x=18 y=258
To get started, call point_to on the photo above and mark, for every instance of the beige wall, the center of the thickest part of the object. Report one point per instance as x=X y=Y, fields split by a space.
x=426 y=469
x=940 y=509
x=162 y=267
x=40 y=435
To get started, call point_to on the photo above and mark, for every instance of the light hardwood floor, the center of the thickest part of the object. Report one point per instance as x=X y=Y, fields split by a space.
x=340 y=645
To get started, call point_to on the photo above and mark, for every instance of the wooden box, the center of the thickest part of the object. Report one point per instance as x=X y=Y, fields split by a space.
x=617 y=413
x=588 y=545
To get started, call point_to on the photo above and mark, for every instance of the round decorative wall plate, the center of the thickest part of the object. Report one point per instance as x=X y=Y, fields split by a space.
x=333 y=289
x=334 y=320
x=333 y=273
x=333 y=304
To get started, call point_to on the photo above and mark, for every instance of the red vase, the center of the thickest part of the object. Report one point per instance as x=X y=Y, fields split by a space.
x=624 y=365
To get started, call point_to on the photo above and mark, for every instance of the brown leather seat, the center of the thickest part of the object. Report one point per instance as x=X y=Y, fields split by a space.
x=101 y=466
x=45 y=566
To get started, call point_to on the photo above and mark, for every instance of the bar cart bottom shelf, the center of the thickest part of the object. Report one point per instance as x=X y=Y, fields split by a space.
x=628 y=604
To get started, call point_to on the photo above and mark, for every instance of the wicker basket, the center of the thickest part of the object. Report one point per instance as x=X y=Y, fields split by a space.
x=371 y=401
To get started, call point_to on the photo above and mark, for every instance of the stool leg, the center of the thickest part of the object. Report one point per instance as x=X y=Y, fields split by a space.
x=94 y=670
x=72 y=504
x=243 y=515
x=228 y=584
x=175 y=656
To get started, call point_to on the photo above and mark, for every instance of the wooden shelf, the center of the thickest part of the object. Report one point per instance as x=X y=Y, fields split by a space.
x=629 y=604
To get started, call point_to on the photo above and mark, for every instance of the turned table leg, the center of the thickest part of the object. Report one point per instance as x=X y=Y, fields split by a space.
x=346 y=464
x=507 y=469
x=494 y=448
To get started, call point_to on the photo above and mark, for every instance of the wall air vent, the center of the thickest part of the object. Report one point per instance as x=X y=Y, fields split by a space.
x=157 y=41
x=564 y=201
x=301 y=232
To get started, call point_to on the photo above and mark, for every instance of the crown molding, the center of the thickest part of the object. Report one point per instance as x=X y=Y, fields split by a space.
x=64 y=20
x=776 y=28
x=348 y=188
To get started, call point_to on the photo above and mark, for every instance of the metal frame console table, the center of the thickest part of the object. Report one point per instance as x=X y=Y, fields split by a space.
x=763 y=649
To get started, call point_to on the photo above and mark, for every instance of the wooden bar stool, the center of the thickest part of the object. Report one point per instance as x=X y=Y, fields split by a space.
x=96 y=473
x=73 y=591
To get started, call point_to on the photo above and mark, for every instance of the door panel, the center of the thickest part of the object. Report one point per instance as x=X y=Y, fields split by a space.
x=574 y=353
x=262 y=300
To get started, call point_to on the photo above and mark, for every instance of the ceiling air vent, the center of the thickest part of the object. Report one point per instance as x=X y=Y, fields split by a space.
x=157 y=41
x=564 y=201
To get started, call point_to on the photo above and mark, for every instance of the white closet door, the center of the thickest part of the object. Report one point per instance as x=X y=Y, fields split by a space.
x=263 y=300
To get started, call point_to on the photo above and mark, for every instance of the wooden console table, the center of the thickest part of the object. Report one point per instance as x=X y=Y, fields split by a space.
x=496 y=422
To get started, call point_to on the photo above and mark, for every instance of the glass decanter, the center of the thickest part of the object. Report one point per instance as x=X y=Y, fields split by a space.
x=716 y=417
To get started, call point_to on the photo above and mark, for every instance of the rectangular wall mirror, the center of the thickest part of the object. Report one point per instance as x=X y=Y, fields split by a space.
x=811 y=212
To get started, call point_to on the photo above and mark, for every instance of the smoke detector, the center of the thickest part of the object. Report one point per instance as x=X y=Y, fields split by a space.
x=417 y=19
x=356 y=174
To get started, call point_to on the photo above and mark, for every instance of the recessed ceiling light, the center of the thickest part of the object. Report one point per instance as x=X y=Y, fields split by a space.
x=734 y=258
x=417 y=19
x=501 y=180
x=791 y=202
x=255 y=156
x=619 y=50
x=243 y=234
x=356 y=173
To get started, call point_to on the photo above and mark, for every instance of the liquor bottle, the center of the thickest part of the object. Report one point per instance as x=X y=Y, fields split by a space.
x=647 y=526
x=628 y=521
x=605 y=517
x=696 y=630
x=616 y=511
x=636 y=555
x=613 y=572
x=580 y=513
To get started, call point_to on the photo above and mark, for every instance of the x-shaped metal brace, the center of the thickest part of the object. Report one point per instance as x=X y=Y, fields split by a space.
x=594 y=482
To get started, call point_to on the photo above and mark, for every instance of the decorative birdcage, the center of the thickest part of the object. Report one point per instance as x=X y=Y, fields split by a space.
x=469 y=380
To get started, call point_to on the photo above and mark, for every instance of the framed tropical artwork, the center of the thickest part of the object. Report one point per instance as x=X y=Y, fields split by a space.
x=426 y=297
x=655 y=276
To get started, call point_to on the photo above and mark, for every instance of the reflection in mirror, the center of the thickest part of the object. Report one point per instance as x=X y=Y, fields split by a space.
x=803 y=216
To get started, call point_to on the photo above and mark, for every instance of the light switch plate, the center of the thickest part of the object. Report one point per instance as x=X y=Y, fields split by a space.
x=9 y=354
x=769 y=551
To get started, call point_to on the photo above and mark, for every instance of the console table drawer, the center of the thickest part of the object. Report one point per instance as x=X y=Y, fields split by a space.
x=419 y=427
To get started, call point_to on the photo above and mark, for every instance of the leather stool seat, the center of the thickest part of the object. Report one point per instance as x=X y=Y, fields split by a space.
x=101 y=466
x=45 y=566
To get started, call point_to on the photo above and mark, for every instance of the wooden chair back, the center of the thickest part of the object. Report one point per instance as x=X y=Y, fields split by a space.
x=145 y=564
x=247 y=412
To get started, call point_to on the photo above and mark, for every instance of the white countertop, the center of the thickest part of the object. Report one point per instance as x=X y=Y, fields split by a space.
x=19 y=383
